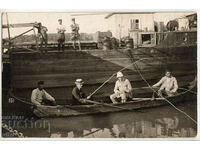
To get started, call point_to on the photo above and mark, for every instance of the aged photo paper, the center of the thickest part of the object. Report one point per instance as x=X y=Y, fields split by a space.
x=97 y=74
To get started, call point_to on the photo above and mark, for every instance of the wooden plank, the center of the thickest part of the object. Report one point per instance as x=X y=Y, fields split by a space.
x=23 y=67
x=97 y=75
x=55 y=81
x=146 y=99
x=19 y=25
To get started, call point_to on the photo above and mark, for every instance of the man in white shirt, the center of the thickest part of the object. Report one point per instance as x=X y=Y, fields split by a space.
x=39 y=96
x=61 y=35
x=123 y=89
x=168 y=85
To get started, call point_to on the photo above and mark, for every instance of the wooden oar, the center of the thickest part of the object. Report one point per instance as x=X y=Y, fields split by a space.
x=109 y=105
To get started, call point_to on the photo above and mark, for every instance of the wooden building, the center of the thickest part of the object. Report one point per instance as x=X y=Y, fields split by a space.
x=143 y=26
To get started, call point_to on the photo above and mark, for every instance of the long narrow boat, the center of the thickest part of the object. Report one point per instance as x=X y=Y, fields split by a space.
x=136 y=103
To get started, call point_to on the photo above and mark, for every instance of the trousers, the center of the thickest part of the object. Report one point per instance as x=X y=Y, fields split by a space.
x=123 y=95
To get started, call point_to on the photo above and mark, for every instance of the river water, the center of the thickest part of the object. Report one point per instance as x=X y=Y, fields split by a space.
x=159 y=122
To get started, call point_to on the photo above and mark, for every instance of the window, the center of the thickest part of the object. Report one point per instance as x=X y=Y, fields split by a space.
x=146 y=38
x=134 y=24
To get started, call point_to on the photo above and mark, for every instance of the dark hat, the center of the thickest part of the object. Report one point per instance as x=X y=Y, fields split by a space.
x=40 y=82
x=73 y=19
x=59 y=19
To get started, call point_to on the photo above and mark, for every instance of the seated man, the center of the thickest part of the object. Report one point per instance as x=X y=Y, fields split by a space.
x=168 y=85
x=41 y=97
x=122 y=89
x=78 y=96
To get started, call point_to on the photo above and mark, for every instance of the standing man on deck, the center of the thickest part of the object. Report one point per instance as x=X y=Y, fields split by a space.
x=43 y=36
x=75 y=36
x=40 y=97
x=168 y=85
x=78 y=96
x=61 y=35
x=123 y=89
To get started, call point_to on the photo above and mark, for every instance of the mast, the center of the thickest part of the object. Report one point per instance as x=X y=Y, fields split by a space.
x=10 y=55
x=8 y=28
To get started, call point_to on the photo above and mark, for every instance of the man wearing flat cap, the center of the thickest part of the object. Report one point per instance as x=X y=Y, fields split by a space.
x=78 y=96
x=40 y=97
x=61 y=35
x=75 y=36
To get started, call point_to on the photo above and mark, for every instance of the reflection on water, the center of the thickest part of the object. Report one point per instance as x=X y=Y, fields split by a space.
x=165 y=127
x=156 y=122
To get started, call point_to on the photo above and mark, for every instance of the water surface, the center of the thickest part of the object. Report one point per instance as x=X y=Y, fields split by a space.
x=159 y=122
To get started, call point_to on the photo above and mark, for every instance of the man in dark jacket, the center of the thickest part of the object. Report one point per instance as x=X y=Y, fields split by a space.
x=78 y=96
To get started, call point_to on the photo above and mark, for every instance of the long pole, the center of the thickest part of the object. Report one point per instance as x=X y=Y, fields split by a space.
x=21 y=34
x=9 y=53
x=9 y=43
x=8 y=27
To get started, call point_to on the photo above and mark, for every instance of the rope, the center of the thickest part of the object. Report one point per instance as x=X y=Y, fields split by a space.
x=26 y=102
x=188 y=90
x=166 y=99
x=114 y=75
x=138 y=70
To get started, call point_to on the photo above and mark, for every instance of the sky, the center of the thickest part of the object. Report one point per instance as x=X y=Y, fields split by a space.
x=88 y=24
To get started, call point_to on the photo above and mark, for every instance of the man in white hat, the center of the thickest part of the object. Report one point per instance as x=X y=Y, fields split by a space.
x=78 y=96
x=122 y=89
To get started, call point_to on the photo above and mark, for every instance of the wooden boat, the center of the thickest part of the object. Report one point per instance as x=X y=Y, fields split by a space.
x=135 y=104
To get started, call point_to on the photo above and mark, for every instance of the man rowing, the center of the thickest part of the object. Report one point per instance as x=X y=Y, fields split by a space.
x=168 y=85
x=123 y=89
x=40 y=97
x=78 y=96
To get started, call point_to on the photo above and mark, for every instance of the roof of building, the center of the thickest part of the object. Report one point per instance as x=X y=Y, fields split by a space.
x=193 y=14
x=114 y=13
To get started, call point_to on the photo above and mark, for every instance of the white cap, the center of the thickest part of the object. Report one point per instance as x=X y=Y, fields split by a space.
x=119 y=75
x=79 y=81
